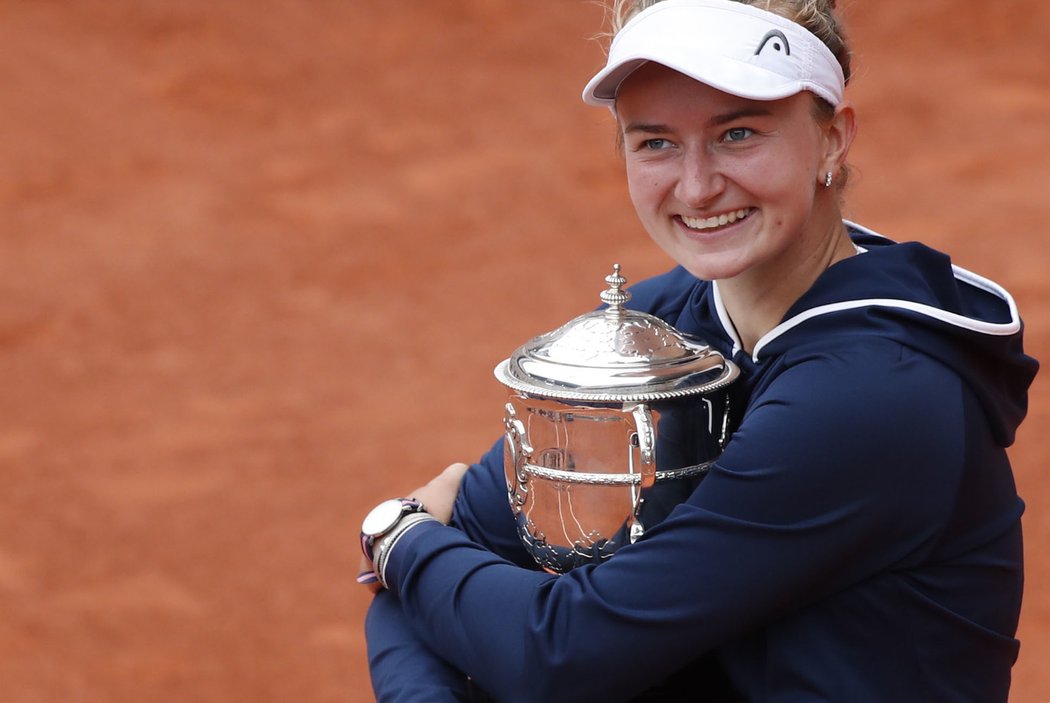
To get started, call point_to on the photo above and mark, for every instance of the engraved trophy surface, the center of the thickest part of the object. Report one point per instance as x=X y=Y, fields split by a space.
x=613 y=419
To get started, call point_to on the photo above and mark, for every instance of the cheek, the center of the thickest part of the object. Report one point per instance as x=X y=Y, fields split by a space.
x=644 y=187
x=778 y=183
x=635 y=188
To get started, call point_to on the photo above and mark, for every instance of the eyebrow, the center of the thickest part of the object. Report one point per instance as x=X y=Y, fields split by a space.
x=715 y=121
x=749 y=111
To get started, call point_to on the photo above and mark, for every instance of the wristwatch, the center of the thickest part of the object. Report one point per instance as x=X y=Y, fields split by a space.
x=383 y=518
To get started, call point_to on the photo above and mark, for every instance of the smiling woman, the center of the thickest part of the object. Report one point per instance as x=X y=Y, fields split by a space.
x=733 y=188
x=858 y=538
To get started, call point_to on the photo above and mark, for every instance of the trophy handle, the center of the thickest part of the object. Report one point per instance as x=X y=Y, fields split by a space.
x=645 y=439
x=517 y=452
x=643 y=443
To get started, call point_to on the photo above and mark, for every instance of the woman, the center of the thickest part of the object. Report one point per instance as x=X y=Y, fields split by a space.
x=859 y=538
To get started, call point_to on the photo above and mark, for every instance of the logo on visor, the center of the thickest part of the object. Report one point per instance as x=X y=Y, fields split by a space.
x=777 y=40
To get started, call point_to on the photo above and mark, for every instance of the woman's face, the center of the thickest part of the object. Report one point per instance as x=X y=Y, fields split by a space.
x=723 y=184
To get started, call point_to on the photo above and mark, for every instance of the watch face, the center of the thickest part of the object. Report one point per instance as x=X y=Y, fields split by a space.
x=383 y=517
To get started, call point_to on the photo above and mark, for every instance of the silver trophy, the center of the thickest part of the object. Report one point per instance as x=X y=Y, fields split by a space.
x=614 y=419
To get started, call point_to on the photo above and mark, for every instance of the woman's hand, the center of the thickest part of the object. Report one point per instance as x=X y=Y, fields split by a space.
x=437 y=497
x=440 y=493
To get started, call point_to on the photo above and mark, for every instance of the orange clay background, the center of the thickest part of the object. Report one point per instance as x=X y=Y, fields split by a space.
x=258 y=259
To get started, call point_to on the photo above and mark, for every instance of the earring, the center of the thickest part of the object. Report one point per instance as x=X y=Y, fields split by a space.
x=827 y=179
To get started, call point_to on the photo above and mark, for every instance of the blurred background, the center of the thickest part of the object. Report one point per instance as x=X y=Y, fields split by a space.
x=258 y=259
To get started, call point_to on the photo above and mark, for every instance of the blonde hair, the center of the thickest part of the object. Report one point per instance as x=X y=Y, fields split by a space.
x=815 y=15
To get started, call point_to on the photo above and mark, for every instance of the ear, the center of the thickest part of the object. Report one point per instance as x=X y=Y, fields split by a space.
x=838 y=137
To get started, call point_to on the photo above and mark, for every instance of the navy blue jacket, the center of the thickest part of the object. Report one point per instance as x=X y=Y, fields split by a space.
x=858 y=540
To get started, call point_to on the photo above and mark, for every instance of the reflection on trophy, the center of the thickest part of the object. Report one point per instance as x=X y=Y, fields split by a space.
x=614 y=419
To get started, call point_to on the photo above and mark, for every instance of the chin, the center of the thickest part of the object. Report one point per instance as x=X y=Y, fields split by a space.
x=709 y=261
x=708 y=268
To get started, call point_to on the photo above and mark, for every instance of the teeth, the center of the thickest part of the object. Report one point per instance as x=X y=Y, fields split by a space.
x=720 y=220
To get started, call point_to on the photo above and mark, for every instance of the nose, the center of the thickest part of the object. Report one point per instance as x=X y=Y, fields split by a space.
x=700 y=180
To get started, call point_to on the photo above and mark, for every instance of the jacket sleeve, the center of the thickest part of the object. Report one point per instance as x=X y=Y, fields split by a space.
x=830 y=479
x=402 y=668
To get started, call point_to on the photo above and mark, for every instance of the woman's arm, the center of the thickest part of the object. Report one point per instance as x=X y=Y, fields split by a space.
x=403 y=669
x=808 y=499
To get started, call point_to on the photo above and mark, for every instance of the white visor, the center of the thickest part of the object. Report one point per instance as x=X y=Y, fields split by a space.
x=736 y=48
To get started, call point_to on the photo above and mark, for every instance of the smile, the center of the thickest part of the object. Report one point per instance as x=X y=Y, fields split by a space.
x=725 y=218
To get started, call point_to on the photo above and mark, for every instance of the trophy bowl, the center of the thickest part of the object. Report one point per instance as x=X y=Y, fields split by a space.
x=613 y=418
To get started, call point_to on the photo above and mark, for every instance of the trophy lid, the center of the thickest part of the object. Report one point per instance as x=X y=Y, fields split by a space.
x=615 y=355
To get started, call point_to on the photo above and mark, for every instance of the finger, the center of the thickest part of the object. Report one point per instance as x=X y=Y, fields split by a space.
x=456 y=471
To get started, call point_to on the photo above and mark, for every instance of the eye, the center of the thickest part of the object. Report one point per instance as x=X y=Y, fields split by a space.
x=737 y=134
x=655 y=144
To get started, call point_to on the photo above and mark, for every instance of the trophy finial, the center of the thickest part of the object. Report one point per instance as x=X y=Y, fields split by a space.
x=615 y=296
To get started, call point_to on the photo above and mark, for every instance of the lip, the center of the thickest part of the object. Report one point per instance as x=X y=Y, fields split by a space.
x=711 y=230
